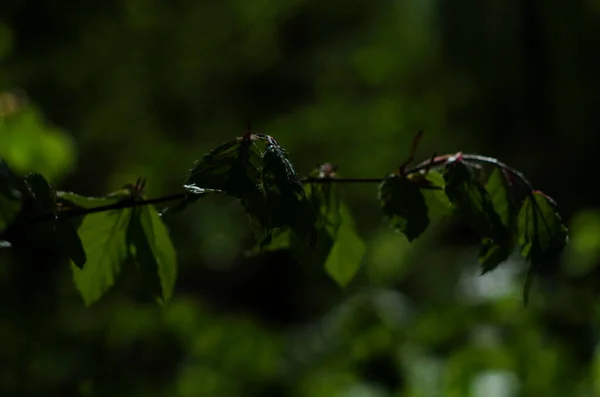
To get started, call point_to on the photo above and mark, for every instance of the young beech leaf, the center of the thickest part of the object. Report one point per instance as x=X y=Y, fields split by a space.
x=10 y=196
x=232 y=167
x=494 y=252
x=104 y=238
x=540 y=234
x=286 y=199
x=347 y=251
x=432 y=188
x=501 y=197
x=472 y=200
x=404 y=205
x=154 y=251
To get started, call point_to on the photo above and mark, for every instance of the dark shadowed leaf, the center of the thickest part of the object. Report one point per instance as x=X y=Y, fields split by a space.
x=404 y=205
x=491 y=254
x=286 y=199
x=42 y=191
x=70 y=242
x=104 y=238
x=154 y=251
x=473 y=201
x=10 y=196
x=232 y=167
x=45 y=198
x=347 y=251
x=479 y=209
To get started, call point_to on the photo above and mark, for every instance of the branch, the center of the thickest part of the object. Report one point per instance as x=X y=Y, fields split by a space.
x=425 y=165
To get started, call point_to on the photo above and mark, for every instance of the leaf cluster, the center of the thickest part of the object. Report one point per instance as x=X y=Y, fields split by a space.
x=101 y=235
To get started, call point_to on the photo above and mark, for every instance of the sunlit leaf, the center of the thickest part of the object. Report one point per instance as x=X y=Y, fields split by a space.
x=404 y=205
x=347 y=251
x=541 y=234
x=104 y=238
x=286 y=199
x=10 y=197
x=154 y=251
x=5 y=244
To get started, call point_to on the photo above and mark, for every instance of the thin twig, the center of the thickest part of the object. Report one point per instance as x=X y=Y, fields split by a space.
x=425 y=165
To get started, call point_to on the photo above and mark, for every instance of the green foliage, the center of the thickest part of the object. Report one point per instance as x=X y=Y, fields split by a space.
x=486 y=208
x=45 y=199
x=541 y=234
x=154 y=251
x=122 y=228
x=111 y=238
x=348 y=249
x=404 y=205
x=104 y=238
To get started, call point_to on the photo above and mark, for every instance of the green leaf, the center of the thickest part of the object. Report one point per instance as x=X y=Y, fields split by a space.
x=69 y=199
x=347 y=251
x=104 y=238
x=541 y=234
x=70 y=242
x=232 y=167
x=404 y=205
x=473 y=202
x=45 y=197
x=500 y=195
x=493 y=253
x=10 y=197
x=42 y=191
x=154 y=251
x=432 y=188
x=286 y=198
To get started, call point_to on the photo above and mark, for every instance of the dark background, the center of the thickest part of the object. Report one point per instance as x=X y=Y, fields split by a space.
x=109 y=91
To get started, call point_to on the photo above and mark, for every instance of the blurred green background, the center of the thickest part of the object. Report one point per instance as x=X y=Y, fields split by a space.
x=96 y=94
